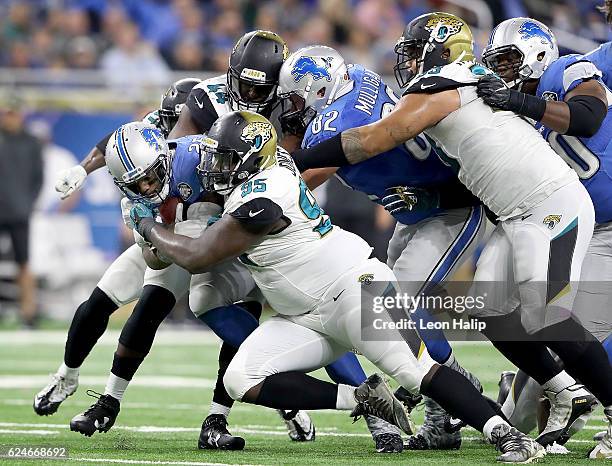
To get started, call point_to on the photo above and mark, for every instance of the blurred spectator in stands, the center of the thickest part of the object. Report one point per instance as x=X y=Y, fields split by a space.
x=19 y=55
x=338 y=14
x=224 y=32
x=188 y=55
x=316 y=30
x=21 y=163
x=131 y=63
x=18 y=24
x=81 y=53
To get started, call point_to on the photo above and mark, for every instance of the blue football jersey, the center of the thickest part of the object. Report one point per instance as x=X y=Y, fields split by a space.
x=184 y=181
x=413 y=164
x=591 y=158
x=602 y=58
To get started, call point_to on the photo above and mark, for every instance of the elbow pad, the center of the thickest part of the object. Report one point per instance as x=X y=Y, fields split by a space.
x=587 y=113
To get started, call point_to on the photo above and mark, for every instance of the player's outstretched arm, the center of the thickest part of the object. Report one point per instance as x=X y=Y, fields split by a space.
x=226 y=239
x=581 y=112
x=412 y=114
x=71 y=180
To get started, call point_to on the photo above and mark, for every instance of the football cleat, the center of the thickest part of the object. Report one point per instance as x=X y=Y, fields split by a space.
x=47 y=401
x=389 y=443
x=432 y=435
x=387 y=437
x=566 y=407
x=514 y=446
x=603 y=450
x=299 y=425
x=599 y=435
x=375 y=397
x=100 y=416
x=215 y=436
x=505 y=384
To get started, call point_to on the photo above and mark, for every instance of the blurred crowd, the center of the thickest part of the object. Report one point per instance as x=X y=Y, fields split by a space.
x=145 y=39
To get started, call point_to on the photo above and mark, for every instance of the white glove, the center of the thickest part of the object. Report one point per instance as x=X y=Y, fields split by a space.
x=126 y=207
x=139 y=240
x=70 y=180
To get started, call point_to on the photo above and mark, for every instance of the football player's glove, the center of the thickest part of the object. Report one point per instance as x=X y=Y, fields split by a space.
x=126 y=208
x=403 y=198
x=70 y=180
x=138 y=212
x=493 y=90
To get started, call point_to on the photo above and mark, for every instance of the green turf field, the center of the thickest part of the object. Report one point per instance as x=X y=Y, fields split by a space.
x=169 y=397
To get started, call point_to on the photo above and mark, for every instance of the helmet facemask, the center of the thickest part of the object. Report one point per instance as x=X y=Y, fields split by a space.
x=169 y=117
x=508 y=62
x=295 y=115
x=408 y=51
x=157 y=174
x=220 y=169
x=249 y=94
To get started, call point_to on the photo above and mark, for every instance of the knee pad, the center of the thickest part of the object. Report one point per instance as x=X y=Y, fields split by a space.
x=122 y=281
x=237 y=382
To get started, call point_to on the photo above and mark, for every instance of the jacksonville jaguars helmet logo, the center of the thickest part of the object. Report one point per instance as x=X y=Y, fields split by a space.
x=318 y=67
x=551 y=221
x=152 y=136
x=257 y=134
x=530 y=29
x=444 y=27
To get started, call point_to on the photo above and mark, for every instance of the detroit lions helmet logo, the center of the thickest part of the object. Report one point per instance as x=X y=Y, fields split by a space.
x=530 y=29
x=152 y=137
x=318 y=67
x=257 y=134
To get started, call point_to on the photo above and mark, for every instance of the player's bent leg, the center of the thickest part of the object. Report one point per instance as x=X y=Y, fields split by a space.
x=121 y=283
x=135 y=342
x=411 y=365
x=520 y=405
x=430 y=252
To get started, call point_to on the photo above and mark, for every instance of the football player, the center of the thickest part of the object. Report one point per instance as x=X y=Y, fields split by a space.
x=569 y=102
x=323 y=96
x=121 y=283
x=311 y=273
x=545 y=214
x=125 y=280
x=250 y=84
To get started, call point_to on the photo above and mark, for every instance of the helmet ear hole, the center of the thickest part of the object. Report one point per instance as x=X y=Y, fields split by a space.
x=540 y=56
x=446 y=54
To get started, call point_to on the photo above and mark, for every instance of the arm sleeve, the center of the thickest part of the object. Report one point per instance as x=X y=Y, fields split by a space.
x=101 y=146
x=202 y=111
x=258 y=211
x=328 y=153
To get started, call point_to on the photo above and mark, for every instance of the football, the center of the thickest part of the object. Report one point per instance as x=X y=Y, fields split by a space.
x=168 y=209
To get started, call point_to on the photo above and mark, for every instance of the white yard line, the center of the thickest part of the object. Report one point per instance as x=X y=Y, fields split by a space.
x=120 y=461
x=165 y=337
x=29 y=432
x=245 y=429
x=39 y=381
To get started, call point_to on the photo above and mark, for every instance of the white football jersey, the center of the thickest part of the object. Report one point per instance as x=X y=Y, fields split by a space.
x=209 y=100
x=500 y=156
x=295 y=266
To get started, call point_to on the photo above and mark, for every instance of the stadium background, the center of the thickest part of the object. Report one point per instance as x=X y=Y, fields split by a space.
x=78 y=69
